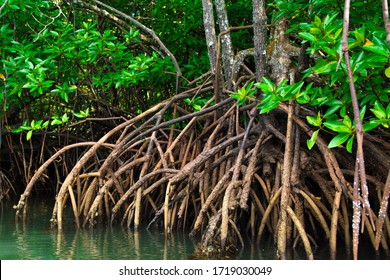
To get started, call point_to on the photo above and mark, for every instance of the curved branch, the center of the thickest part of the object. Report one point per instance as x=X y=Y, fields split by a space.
x=151 y=33
x=43 y=167
x=302 y=232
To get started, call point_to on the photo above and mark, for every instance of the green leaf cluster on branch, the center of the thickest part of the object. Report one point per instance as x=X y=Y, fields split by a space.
x=324 y=85
x=53 y=66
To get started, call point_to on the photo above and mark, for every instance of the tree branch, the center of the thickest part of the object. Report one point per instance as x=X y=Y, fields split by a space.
x=360 y=180
x=385 y=10
x=151 y=33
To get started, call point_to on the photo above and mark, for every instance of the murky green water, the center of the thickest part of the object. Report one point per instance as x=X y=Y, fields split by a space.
x=36 y=240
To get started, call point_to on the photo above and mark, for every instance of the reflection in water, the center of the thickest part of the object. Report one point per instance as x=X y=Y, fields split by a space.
x=136 y=245
x=113 y=243
x=36 y=240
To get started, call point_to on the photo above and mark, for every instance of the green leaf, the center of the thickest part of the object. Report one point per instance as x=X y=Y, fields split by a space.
x=337 y=127
x=337 y=33
x=310 y=143
x=343 y=111
x=65 y=118
x=45 y=124
x=54 y=33
x=388 y=111
x=294 y=88
x=375 y=60
x=267 y=98
x=266 y=85
x=29 y=134
x=354 y=45
x=17 y=130
x=360 y=37
x=314 y=120
x=197 y=107
x=78 y=115
x=25 y=127
x=307 y=36
x=387 y=72
x=347 y=121
x=363 y=112
x=315 y=31
x=326 y=69
x=377 y=49
x=281 y=85
x=331 y=111
x=349 y=144
x=338 y=140
x=56 y=122
x=371 y=125
x=330 y=19
x=241 y=102
x=249 y=87
x=241 y=93
x=235 y=96
x=14 y=7
x=379 y=111
x=303 y=98
x=269 y=106
x=317 y=21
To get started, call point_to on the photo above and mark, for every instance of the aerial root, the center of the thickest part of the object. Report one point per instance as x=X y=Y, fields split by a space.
x=5 y=187
x=227 y=178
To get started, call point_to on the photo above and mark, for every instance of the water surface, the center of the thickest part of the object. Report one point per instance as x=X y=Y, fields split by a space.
x=36 y=240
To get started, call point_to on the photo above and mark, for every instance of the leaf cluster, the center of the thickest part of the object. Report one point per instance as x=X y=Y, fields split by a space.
x=324 y=85
x=55 y=67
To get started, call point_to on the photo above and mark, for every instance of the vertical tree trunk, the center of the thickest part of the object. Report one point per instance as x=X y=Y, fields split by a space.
x=286 y=186
x=279 y=57
x=259 y=38
x=209 y=28
x=226 y=42
x=385 y=11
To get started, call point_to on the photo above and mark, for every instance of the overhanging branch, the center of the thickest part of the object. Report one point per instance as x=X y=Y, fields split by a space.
x=146 y=30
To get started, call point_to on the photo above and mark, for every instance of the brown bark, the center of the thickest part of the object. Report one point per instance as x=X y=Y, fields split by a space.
x=260 y=38
x=286 y=187
x=209 y=28
x=226 y=41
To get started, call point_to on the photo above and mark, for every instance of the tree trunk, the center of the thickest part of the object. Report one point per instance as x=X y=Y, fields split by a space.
x=226 y=42
x=209 y=29
x=260 y=38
